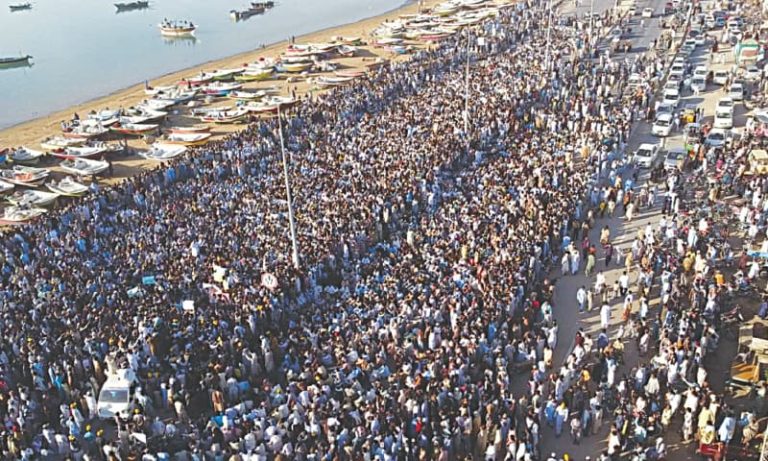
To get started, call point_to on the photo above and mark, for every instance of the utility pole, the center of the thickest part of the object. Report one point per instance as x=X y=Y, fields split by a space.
x=466 y=93
x=549 y=33
x=294 y=242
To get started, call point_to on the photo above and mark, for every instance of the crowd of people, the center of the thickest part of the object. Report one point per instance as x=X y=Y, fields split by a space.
x=422 y=287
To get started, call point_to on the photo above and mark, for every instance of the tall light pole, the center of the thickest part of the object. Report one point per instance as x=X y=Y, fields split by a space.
x=466 y=93
x=549 y=33
x=294 y=242
x=591 y=18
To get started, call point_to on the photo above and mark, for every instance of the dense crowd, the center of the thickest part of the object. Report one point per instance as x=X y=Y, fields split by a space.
x=422 y=287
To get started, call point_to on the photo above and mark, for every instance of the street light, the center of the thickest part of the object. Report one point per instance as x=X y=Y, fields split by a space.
x=294 y=242
x=466 y=93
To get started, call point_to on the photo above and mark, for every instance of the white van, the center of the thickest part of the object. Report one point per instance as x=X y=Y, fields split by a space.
x=662 y=126
x=117 y=395
x=723 y=119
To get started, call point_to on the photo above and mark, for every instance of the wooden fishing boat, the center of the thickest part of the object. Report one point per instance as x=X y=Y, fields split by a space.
x=79 y=152
x=201 y=79
x=445 y=9
x=155 y=90
x=86 y=129
x=27 y=176
x=84 y=166
x=128 y=6
x=186 y=139
x=247 y=95
x=134 y=128
x=67 y=187
x=32 y=198
x=224 y=75
x=398 y=49
x=332 y=81
x=161 y=151
x=175 y=97
x=354 y=73
x=202 y=111
x=225 y=116
x=20 y=6
x=15 y=216
x=255 y=75
x=346 y=50
x=220 y=88
x=177 y=28
x=296 y=67
x=241 y=15
x=26 y=156
x=154 y=106
x=270 y=105
x=14 y=61
x=5 y=187
x=387 y=41
x=352 y=41
x=60 y=142
x=189 y=129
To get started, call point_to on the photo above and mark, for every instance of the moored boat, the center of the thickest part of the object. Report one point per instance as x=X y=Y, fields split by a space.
x=5 y=187
x=177 y=28
x=241 y=15
x=346 y=50
x=60 y=142
x=79 y=152
x=16 y=216
x=128 y=6
x=26 y=156
x=247 y=95
x=354 y=73
x=134 y=128
x=32 y=198
x=67 y=187
x=220 y=88
x=84 y=167
x=161 y=151
x=27 y=176
x=255 y=75
x=20 y=6
x=15 y=61
x=225 y=116
x=296 y=67
x=186 y=139
x=332 y=81
x=189 y=129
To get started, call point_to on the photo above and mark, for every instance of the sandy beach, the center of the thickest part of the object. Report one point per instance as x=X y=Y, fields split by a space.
x=32 y=132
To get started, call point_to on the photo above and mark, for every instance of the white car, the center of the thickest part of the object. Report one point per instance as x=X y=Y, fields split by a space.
x=698 y=84
x=737 y=92
x=716 y=137
x=672 y=85
x=675 y=159
x=700 y=71
x=648 y=12
x=116 y=397
x=646 y=155
x=677 y=69
x=725 y=103
x=632 y=10
x=723 y=119
x=720 y=77
x=753 y=74
x=671 y=97
x=691 y=43
x=679 y=60
x=662 y=126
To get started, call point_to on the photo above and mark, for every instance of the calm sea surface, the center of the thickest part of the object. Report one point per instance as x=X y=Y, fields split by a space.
x=83 y=49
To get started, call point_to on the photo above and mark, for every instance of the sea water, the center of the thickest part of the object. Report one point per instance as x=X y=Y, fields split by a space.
x=83 y=49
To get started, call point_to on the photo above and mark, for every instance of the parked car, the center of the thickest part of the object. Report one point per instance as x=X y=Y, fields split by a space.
x=648 y=12
x=752 y=74
x=698 y=84
x=647 y=156
x=662 y=126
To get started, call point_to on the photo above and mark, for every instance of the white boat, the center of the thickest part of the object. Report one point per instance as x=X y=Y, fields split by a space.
x=25 y=175
x=67 y=187
x=346 y=50
x=134 y=128
x=225 y=116
x=247 y=95
x=104 y=116
x=80 y=152
x=156 y=104
x=333 y=81
x=60 y=142
x=153 y=91
x=187 y=139
x=26 y=156
x=84 y=167
x=5 y=187
x=226 y=74
x=220 y=88
x=14 y=215
x=161 y=151
x=189 y=129
x=32 y=198
x=177 y=28
x=88 y=129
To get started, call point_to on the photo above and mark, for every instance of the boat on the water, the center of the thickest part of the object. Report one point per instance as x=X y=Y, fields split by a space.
x=20 y=6
x=241 y=15
x=26 y=156
x=14 y=216
x=177 y=28
x=161 y=151
x=67 y=187
x=27 y=176
x=225 y=116
x=32 y=198
x=186 y=139
x=84 y=166
x=80 y=152
x=134 y=128
x=137 y=5
x=15 y=61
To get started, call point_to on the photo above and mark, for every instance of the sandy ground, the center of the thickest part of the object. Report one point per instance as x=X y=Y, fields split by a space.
x=32 y=132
